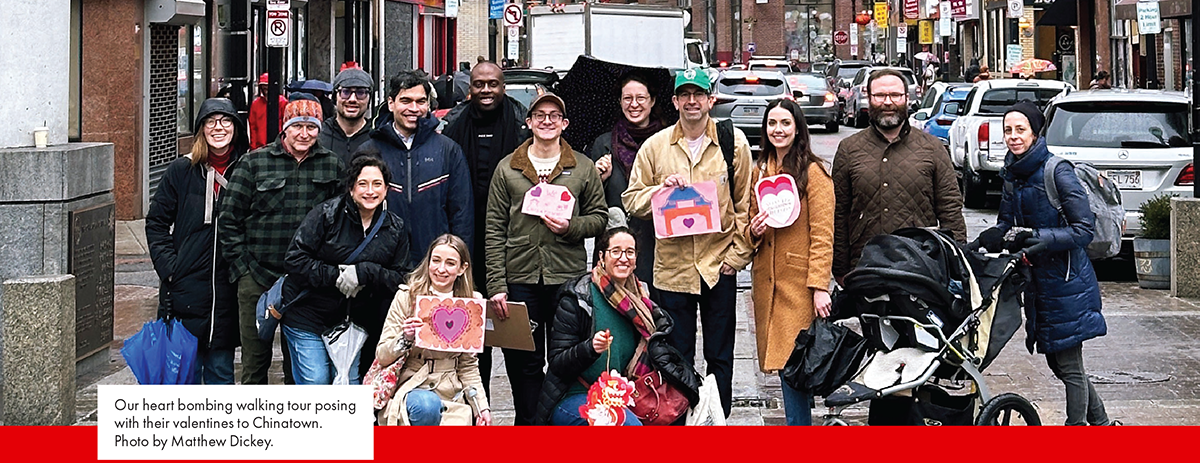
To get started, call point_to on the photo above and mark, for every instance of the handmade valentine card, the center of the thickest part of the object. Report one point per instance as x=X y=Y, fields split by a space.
x=777 y=197
x=606 y=400
x=550 y=200
x=452 y=324
x=691 y=210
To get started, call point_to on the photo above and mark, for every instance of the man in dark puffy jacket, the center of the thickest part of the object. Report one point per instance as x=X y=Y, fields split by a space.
x=431 y=186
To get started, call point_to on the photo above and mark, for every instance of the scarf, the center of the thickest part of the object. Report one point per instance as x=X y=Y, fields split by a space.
x=627 y=299
x=627 y=138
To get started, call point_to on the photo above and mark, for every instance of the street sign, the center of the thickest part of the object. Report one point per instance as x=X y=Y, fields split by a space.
x=495 y=9
x=944 y=24
x=853 y=34
x=751 y=47
x=451 y=8
x=1016 y=8
x=902 y=31
x=854 y=50
x=1013 y=56
x=277 y=5
x=1148 y=19
x=514 y=33
x=841 y=37
x=279 y=25
x=514 y=50
x=513 y=14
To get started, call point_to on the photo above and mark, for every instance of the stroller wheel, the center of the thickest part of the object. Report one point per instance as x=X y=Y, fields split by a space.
x=1008 y=410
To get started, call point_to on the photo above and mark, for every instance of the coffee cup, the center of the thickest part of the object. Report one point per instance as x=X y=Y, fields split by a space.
x=41 y=136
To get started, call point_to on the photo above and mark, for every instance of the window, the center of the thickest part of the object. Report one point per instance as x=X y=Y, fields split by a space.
x=74 y=97
x=739 y=86
x=998 y=101
x=1119 y=124
x=191 y=73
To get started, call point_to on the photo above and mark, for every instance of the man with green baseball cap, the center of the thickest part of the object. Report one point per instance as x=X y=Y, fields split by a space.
x=696 y=273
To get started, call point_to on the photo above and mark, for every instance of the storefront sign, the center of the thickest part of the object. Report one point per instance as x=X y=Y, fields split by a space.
x=925 y=32
x=945 y=25
x=912 y=9
x=495 y=9
x=958 y=8
x=881 y=13
x=1013 y=55
x=1148 y=19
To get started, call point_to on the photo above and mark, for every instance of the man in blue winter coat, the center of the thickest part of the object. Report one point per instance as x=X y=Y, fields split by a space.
x=431 y=186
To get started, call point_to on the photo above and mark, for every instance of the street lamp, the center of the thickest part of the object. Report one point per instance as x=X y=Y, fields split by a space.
x=812 y=34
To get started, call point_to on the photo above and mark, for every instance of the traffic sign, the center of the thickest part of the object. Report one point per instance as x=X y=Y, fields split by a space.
x=514 y=33
x=751 y=47
x=513 y=14
x=277 y=5
x=279 y=25
x=841 y=37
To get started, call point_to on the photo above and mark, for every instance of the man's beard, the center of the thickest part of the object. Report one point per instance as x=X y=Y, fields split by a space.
x=886 y=122
x=361 y=114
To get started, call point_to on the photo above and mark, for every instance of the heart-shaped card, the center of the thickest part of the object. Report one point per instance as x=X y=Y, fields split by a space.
x=778 y=198
x=452 y=324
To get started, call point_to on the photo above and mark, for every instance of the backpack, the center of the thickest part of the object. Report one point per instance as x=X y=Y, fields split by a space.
x=1104 y=199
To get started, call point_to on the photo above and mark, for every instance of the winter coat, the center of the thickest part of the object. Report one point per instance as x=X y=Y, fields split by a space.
x=326 y=237
x=882 y=186
x=1062 y=303
x=333 y=138
x=520 y=248
x=430 y=187
x=452 y=375
x=790 y=263
x=570 y=350
x=518 y=109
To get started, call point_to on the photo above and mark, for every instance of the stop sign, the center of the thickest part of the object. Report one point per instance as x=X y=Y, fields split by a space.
x=841 y=37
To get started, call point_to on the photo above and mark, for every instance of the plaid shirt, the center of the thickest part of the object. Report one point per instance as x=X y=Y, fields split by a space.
x=267 y=197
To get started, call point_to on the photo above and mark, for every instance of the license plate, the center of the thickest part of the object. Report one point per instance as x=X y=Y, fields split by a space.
x=1126 y=179
x=749 y=110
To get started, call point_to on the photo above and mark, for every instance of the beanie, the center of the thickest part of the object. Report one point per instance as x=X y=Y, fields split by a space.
x=302 y=110
x=1031 y=112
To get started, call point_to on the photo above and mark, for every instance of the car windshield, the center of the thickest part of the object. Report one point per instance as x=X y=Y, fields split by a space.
x=768 y=67
x=739 y=86
x=523 y=93
x=996 y=101
x=848 y=72
x=1119 y=124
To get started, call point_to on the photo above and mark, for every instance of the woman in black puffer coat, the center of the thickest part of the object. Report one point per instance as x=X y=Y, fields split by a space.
x=194 y=286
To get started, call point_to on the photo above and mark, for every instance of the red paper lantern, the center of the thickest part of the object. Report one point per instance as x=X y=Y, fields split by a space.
x=862 y=18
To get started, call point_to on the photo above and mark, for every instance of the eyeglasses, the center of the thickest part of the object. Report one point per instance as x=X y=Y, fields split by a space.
x=889 y=96
x=640 y=99
x=629 y=254
x=212 y=122
x=362 y=93
x=689 y=95
x=552 y=117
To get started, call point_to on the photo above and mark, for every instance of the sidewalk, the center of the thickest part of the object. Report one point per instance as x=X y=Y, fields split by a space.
x=1147 y=368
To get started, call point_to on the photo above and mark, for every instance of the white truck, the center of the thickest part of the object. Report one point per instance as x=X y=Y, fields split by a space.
x=639 y=35
x=977 y=146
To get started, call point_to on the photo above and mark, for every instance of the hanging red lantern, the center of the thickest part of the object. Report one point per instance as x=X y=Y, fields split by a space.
x=862 y=18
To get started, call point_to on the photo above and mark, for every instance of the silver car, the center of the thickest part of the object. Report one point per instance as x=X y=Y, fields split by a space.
x=856 y=101
x=743 y=96
x=1139 y=138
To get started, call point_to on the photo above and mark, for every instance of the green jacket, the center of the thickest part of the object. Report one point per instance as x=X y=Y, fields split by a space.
x=519 y=248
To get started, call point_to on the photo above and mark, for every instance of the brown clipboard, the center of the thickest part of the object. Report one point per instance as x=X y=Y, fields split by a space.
x=513 y=332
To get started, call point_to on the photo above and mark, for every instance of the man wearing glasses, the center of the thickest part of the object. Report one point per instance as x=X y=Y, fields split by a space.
x=697 y=273
x=529 y=256
x=345 y=131
x=889 y=177
x=270 y=191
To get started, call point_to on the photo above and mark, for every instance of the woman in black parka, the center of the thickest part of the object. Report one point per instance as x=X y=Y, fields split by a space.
x=194 y=286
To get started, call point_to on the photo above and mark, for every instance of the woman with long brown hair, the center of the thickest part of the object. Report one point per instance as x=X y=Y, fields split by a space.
x=792 y=265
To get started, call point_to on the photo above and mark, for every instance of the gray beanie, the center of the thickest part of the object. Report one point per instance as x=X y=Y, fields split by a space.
x=352 y=77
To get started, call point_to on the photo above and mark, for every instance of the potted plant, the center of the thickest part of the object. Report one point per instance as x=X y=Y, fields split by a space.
x=1152 y=248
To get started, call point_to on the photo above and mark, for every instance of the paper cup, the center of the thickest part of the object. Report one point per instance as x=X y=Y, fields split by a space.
x=41 y=136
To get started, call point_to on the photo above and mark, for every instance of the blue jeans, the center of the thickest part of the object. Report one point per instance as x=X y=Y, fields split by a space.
x=310 y=360
x=797 y=404
x=214 y=366
x=424 y=407
x=718 y=317
x=566 y=413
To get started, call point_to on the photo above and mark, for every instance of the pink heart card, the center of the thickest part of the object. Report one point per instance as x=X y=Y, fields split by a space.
x=550 y=200
x=692 y=210
x=777 y=197
x=452 y=324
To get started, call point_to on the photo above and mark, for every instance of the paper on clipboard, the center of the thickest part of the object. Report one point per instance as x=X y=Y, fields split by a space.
x=513 y=332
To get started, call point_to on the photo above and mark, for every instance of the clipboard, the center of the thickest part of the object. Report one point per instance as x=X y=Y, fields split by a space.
x=514 y=332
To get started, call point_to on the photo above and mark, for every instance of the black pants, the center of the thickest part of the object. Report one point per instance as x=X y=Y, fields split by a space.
x=526 y=370
x=718 y=313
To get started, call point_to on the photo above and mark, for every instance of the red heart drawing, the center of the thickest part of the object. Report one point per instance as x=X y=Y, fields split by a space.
x=449 y=323
x=566 y=196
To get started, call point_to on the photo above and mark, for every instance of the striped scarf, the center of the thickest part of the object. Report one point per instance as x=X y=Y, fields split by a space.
x=627 y=299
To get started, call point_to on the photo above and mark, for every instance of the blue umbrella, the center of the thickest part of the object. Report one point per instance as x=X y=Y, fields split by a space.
x=161 y=353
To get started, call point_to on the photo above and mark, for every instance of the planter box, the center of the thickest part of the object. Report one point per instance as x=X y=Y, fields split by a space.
x=1152 y=259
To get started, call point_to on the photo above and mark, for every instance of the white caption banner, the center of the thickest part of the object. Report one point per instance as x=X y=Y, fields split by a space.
x=143 y=422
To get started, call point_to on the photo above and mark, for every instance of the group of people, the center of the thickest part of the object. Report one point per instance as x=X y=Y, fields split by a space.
x=421 y=213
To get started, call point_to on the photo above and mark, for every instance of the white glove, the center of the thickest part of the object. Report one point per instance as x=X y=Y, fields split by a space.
x=347 y=281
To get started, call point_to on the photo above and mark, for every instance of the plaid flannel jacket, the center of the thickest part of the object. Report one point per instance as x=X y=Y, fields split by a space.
x=267 y=197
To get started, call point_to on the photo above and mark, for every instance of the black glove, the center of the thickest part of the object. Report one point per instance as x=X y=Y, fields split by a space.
x=1023 y=240
x=992 y=239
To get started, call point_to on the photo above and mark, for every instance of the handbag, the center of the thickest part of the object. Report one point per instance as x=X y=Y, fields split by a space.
x=383 y=380
x=265 y=322
x=655 y=401
x=825 y=356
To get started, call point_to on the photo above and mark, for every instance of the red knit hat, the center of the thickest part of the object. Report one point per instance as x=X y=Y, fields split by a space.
x=302 y=110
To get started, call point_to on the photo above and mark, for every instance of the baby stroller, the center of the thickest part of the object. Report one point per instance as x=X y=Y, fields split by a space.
x=935 y=316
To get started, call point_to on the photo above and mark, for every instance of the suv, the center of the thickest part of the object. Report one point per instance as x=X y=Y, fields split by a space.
x=769 y=64
x=814 y=94
x=856 y=101
x=977 y=137
x=1139 y=139
x=743 y=97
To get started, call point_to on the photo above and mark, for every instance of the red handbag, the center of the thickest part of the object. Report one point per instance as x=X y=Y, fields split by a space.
x=655 y=402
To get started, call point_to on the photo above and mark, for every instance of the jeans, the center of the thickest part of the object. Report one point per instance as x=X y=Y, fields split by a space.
x=1083 y=403
x=214 y=366
x=256 y=353
x=566 y=413
x=424 y=407
x=526 y=369
x=310 y=360
x=797 y=404
x=718 y=316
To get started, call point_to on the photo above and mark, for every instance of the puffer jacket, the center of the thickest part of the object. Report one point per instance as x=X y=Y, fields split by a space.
x=1063 y=301
x=570 y=350
x=333 y=138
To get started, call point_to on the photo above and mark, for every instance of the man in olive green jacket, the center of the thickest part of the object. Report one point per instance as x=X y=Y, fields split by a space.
x=528 y=256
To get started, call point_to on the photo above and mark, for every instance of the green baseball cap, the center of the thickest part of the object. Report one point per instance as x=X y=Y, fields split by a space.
x=694 y=76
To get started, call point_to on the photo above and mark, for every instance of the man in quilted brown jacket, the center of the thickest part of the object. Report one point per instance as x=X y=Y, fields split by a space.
x=889 y=177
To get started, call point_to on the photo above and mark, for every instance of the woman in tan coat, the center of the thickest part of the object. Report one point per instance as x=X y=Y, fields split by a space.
x=434 y=387
x=792 y=265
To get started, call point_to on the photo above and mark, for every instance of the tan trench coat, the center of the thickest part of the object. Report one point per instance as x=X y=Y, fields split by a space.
x=789 y=264
x=450 y=374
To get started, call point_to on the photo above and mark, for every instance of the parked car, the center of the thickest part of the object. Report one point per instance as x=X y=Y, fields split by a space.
x=769 y=64
x=522 y=84
x=856 y=101
x=814 y=93
x=842 y=72
x=1140 y=139
x=930 y=100
x=743 y=97
x=944 y=112
x=977 y=137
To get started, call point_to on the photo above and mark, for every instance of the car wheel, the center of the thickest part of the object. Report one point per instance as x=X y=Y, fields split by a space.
x=832 y=126
x=974 y=192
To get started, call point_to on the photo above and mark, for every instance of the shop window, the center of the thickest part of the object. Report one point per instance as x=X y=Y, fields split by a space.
x=191 y=80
